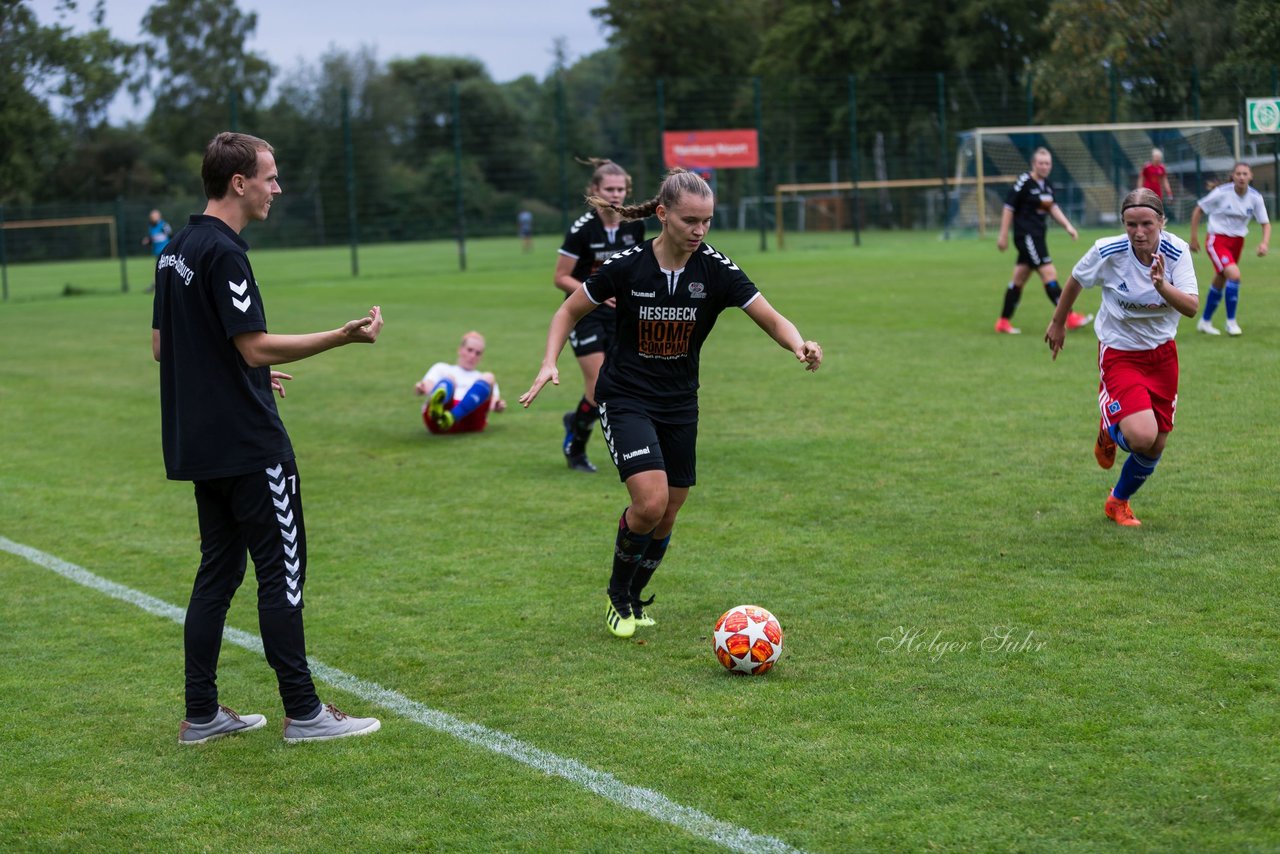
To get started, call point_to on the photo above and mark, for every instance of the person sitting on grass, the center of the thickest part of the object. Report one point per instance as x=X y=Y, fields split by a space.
x=459 y=397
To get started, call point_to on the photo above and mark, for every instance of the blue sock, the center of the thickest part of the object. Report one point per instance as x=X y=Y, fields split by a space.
x=471 y=401
x=1053 y=290
x=447 y=385
x=1211 y=302
x=1135 y=472
x=1232 y=297
x=1118 y=438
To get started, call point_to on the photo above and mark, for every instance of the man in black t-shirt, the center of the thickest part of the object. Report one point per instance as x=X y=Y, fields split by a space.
x=221 y=430
x=1026 y=206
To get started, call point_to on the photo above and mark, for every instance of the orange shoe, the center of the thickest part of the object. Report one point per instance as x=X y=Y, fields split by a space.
x=1119 y=512
x=1075 y=321
x=1104 y=449
x=1003 y=326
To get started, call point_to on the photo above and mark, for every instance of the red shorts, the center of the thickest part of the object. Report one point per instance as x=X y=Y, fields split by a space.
x=1137 y=380
x=1223 y=250
x=473 y=423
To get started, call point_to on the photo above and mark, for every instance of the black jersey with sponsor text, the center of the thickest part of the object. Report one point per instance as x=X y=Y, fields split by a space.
x=218 y=417
x=663 y=318
x=1030 y=200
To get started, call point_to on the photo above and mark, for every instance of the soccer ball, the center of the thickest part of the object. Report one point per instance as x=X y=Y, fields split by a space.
x=747 y=639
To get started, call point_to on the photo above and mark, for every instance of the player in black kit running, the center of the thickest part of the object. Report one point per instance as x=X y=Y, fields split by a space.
x=595 y=237
x=669 y=292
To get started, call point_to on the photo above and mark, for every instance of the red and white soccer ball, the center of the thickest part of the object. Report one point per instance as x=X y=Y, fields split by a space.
x=748 y=639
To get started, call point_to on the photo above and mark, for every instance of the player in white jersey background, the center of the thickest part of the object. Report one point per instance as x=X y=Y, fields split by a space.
x=460 y=396
x=1148 y=283
x=1230 y=207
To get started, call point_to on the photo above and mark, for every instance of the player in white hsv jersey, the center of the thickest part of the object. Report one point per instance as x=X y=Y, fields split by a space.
x=1230 y=207
x=669 y=292
x=460 y=396
x=1148 y=282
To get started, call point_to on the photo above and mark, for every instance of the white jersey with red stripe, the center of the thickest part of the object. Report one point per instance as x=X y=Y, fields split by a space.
x=461 y=378
x=1133 y=315
x=1229 y=212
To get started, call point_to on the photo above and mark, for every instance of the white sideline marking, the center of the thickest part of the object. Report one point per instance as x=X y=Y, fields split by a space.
x=606 y=785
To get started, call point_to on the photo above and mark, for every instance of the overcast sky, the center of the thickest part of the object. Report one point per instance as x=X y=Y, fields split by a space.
x=511 y=37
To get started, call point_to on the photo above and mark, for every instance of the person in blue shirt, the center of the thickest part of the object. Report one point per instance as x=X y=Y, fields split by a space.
x=158 y=235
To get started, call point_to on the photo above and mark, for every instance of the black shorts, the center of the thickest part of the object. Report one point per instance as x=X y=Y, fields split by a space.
x=640 y=441
x=1033 y=251
x=594 y=333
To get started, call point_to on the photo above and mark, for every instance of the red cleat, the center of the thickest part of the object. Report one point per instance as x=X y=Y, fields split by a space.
x=1004 y=327
x=1104 y=449
x=1118 y=511
x=1075 y=321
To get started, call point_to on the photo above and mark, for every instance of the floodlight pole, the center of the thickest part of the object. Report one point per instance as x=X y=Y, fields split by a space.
x=457 y=178
x=942 y=155
x=853 y=158
x=563 y=146
x=764 y=243
x=349 y=161
x=4 y=262
x=1275 y=143
x=120 y=250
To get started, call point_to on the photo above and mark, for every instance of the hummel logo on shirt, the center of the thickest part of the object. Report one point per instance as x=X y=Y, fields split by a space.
x=241 y=304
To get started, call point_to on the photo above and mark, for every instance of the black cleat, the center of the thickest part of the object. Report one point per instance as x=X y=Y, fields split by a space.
x=567 y=445
x=579 y=462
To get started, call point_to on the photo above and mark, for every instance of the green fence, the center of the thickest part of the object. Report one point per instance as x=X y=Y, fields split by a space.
x=460 y=162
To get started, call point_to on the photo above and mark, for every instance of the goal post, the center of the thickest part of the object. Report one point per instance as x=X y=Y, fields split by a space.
x=832 y=206
x=34 y=246
x=1094 y=165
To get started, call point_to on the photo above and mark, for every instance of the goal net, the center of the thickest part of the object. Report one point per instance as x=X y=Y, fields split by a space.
x=1094 y=166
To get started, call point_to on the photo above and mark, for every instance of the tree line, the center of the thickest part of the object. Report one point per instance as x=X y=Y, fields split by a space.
x=409 y=155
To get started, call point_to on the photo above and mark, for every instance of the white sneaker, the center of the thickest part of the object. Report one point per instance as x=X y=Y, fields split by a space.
x=1207 y=328
x=328 y=725
x=1233 y=328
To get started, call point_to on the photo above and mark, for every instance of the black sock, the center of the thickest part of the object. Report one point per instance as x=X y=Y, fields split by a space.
x=1011 y=297
x=628 y=550
x=584 y=418
x=1053 y=290
x=648 y=566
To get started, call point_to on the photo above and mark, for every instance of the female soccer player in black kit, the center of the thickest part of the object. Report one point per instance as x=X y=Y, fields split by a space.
x=595 y=237
x=669 y=292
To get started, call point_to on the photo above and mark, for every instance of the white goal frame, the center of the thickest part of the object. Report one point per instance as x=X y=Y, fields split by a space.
x=1230 y=127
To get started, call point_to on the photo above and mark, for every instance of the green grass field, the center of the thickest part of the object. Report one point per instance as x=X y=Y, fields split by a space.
x=933 y=480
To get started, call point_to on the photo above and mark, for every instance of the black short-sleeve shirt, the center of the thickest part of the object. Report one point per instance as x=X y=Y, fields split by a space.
x=663 y=318
x=218 y=417
x=590 y=245
x=1030 y=200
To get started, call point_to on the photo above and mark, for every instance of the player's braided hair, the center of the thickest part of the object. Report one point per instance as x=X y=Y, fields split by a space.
x=1142 y=198
x=603 y=166
x=677 y=183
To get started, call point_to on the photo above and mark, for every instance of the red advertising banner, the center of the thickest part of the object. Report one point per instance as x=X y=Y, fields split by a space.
x=715 y=149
